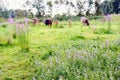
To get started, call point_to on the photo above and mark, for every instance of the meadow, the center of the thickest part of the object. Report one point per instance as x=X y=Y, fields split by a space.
x=64 y=53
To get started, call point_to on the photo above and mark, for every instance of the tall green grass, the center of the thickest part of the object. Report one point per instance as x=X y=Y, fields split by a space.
x=23 y=35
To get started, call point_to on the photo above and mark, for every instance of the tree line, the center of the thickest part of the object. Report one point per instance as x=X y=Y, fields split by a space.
x=81 y=7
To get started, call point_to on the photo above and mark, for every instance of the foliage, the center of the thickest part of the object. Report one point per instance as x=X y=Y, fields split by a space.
x=111 y=6
x=116 y=6
x=61 y=17
x=4 y=13
x=21 y=13
x=107 y=7
x=97 y=7
x=80 y=7
x=38 y=4
x=50 y=4
x=3 y=10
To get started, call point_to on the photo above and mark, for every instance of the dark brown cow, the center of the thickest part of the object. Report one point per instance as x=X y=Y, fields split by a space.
x=48 y=22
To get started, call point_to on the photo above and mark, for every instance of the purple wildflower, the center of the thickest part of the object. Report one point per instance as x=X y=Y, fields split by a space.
x=10 y=20
x=17 y=27
x=108 y=17
x=20 y=28
x=26 y=21
x=23 y=27
x=107 y=43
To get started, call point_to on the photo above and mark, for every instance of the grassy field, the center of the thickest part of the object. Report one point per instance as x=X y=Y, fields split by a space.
x=63 y=53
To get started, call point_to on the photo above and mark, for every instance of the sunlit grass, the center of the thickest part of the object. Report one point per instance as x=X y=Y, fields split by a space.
x=75 y=53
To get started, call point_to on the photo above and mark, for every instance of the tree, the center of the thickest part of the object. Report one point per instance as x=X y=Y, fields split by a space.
x=12 y=14
x=28 y=4
x=70 y=5
x=20 y=13
x=59 y=1
x=116 y=6
x=3 y=11
x=79 y=7
x=107 y=7
x=97 y=6
x=40 y=7
x=50 y=5
x=90 y=6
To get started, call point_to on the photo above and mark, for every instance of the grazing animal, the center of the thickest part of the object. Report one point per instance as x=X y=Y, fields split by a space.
x=85 y=21
x=35 y=20
x=56 y=23
x=48 y=22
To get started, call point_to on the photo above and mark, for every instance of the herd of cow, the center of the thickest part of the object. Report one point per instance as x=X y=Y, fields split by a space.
x=48 y=22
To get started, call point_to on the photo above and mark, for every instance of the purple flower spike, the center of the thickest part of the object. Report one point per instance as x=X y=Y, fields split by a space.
x=26 y=21
x=22 y=27
x=18 y=28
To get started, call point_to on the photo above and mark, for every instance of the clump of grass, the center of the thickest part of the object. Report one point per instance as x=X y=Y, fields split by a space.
x=60 y=26
x=47 y=55
x=4 y=25
x=10 y=30
x=103 y=31
x=23 y=35
x=78 y=37
x=7 y=78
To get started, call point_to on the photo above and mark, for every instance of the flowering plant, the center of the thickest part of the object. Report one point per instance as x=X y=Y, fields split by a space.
x=23 y=35
x=10 y=30
x=108 y=18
